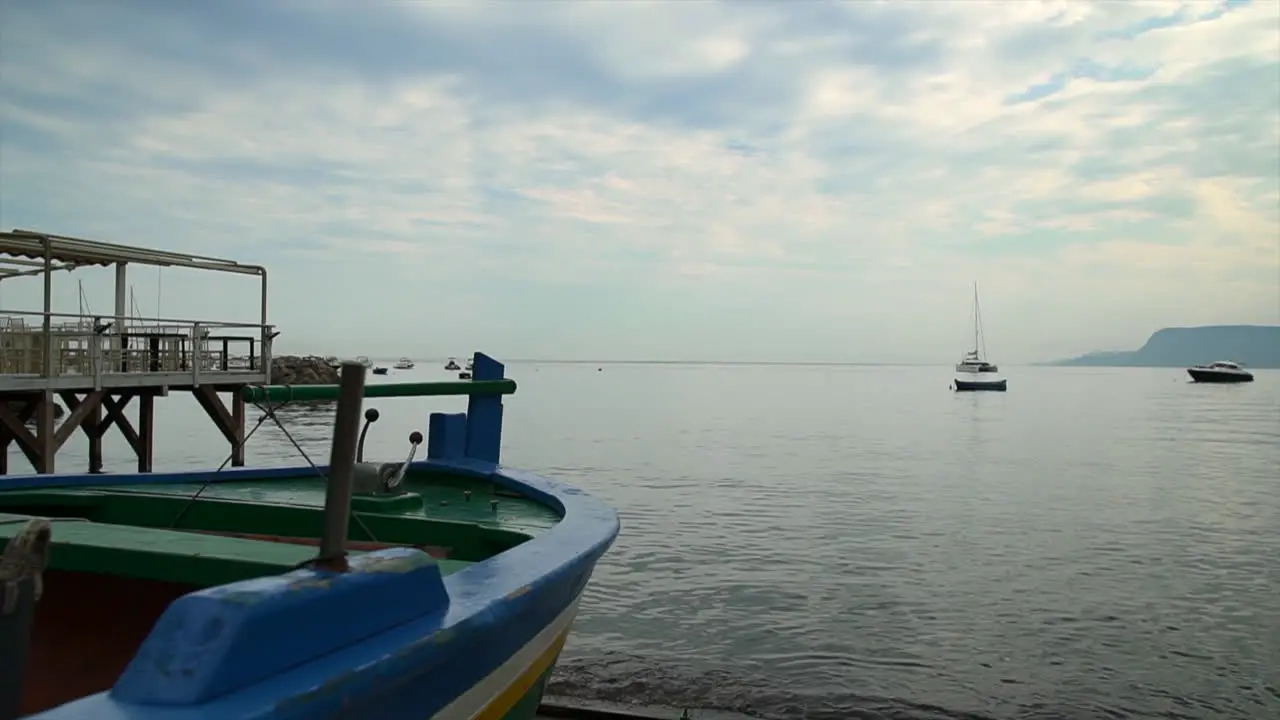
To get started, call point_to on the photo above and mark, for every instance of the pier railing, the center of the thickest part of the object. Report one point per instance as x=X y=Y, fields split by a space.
x=94 y=351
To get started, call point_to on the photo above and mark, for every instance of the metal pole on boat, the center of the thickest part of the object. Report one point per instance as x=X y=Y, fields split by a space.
x=342 y=461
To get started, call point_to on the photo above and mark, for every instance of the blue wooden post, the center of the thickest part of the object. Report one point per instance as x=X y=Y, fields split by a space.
x=447 y=436
x=484 y=413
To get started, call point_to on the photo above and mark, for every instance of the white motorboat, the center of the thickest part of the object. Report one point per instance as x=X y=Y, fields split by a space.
x=404 y=364
x=1222 y=371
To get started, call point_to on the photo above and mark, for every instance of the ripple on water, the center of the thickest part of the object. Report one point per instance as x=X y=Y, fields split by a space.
x=1058 y=554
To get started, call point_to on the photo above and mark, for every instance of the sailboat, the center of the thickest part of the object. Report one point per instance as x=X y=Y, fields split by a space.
x=974 y=372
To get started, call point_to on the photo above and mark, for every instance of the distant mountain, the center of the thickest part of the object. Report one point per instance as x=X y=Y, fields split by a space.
x=1255 y=346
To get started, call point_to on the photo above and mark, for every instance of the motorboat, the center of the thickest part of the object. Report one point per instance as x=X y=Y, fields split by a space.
x=452 y=364
x=380 y=371
x=1222 y=371
x=404 y=364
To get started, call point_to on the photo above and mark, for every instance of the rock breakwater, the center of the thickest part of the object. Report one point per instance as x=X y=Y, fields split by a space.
x=302 y=370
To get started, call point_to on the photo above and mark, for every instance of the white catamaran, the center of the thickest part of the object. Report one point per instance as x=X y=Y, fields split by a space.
x=974 y=372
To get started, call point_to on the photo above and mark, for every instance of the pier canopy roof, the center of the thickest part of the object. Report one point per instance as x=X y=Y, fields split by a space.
x=22 y=252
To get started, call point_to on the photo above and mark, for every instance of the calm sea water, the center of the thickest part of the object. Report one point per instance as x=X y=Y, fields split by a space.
x=859 y=542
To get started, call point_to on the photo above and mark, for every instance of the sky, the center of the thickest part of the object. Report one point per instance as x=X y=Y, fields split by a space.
x=782 y=181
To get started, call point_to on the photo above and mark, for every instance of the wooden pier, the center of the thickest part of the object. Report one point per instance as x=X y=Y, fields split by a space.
x=99 y=367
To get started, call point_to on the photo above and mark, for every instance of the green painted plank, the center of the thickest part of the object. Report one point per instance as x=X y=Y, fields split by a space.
x=304 y=393
x=447 y=501
x=176 y=556
x=195 y=558
x=138 y=530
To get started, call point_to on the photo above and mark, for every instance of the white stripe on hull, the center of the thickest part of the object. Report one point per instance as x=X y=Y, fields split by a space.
x=470 y=703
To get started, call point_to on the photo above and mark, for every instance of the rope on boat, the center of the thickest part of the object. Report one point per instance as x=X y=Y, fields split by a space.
x=24 y=557
x=269 y=413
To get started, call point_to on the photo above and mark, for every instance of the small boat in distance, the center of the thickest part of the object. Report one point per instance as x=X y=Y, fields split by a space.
x=404 y=364
x=974 y=372
x=364 y=360
x=379 y=371
x=1222 y=371
x=452 y=364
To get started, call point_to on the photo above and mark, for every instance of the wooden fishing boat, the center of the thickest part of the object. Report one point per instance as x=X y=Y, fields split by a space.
x=440 y=588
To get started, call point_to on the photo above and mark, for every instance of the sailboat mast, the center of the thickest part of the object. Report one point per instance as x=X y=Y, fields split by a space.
x=977 y=319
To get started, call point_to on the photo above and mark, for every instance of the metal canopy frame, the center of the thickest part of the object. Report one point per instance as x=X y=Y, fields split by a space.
x=29 y=252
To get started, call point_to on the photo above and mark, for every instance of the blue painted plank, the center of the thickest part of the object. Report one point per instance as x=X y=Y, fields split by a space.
x=447 y=436
x=484 y=413
x=218 y=640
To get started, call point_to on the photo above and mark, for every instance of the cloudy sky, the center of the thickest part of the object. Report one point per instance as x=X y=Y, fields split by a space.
x=661 y=180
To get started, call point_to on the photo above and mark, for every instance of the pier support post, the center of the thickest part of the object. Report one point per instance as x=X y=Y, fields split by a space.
x=229 y=423
x=86 y=414
x=13 y=428
x=146 y=449
x=47 y=447
x=119 y=336
x=92 y=420
x=41 y=446
x=143 y=445
x=237 y=425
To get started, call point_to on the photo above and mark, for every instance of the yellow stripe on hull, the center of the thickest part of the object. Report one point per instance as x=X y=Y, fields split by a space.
x=503 y=702
x=506 y=693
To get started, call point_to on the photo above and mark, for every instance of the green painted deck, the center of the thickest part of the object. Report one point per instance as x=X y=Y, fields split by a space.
x=166 y=531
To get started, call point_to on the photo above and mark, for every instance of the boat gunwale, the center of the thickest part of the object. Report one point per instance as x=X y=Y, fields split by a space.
x=525 y=523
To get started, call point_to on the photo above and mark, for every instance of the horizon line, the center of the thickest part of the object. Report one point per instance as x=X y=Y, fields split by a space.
x=775 y=363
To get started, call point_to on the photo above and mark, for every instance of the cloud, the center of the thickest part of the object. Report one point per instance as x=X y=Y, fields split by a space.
x=710 y=180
